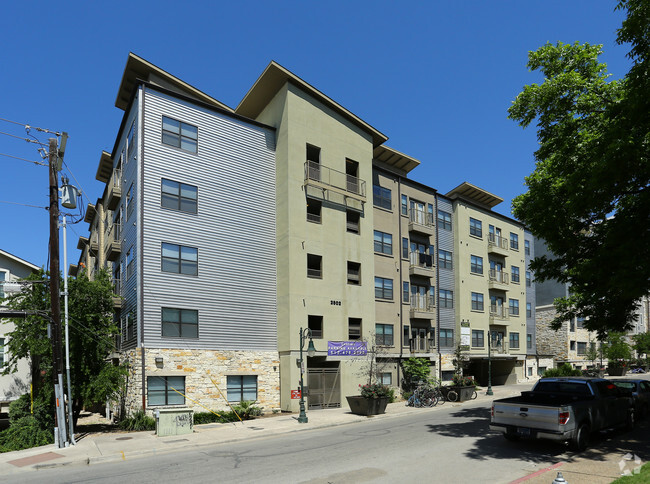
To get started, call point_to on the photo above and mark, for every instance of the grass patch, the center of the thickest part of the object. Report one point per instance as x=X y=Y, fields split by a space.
x=643 y=477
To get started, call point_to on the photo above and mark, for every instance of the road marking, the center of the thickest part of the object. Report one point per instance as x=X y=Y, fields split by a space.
x=535 y=474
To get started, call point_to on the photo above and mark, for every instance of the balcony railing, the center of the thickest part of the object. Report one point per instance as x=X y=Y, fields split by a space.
x=422 y=344
x=422 y=303
x=498 y=277
x=113 y=242
x=117 y=293
x=499 y=347
x=421 y=221
x=499 y=312
x=420 y=259
x=114 y=189
x=498 y=244
x=329 y=178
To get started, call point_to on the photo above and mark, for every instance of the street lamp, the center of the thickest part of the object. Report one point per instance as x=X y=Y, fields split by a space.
x=311 y=351
x=489 y=388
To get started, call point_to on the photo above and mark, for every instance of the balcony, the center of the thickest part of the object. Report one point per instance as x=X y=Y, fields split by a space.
x=328 y=180
x=422 y=344
x=421 y=222
x=498 y=245
x=422 y=306
x=117 y=294
x=499 y=347
x=499 y=315
x=114 y=194
x=499 y=280
x=421 y=264
x=94 y=243
x=113 y=242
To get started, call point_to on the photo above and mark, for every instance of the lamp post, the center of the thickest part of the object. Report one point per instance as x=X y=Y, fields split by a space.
x=311 y=351
x=489 y=388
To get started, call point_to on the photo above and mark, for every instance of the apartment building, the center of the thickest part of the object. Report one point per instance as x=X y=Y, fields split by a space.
x=490 y=290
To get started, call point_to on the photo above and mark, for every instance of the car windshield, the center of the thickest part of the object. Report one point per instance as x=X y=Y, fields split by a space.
x=627 y=385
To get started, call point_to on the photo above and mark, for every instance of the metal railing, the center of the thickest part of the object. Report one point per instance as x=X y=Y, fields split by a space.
x=499 y=277
x=420 y=217
x=420 y=259
x=499 y=312
x=498 y=241
x=423 y=303
x=421 y=344
x=499 y=347
x=327 y=176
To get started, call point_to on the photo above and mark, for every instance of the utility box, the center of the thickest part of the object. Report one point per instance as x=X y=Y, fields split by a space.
x=174 y=421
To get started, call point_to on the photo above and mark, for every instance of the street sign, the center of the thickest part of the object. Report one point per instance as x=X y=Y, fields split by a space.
x=295 y=394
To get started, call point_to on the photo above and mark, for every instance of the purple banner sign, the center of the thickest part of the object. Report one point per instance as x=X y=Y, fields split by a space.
x=347 y=348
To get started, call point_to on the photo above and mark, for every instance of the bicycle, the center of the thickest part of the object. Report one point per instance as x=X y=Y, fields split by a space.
x=423 y=396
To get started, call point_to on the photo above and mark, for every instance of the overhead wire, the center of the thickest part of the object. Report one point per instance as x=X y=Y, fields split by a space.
x=24 y=159
x=24 y=139
x=24 y=204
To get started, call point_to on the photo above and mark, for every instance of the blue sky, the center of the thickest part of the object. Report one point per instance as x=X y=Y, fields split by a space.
x=435 y=77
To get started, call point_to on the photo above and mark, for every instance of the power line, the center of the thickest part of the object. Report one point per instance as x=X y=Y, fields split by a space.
x=23 y=204
x=24 y=159
x=13 y=122
x=24 y=139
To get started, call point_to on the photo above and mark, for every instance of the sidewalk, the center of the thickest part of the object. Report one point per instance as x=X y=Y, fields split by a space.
x=106 y=447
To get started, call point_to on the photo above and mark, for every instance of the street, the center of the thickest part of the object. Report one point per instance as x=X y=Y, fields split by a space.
x=445 y=444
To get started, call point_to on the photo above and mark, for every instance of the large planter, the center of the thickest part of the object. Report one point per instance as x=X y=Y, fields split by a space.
x=367 y=406
x=464 y=392
x=616 y=371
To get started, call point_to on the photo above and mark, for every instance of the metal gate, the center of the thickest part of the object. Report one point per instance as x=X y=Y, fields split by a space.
x=324 y=388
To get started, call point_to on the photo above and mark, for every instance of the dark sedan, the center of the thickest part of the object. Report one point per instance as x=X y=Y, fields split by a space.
x=640 y=390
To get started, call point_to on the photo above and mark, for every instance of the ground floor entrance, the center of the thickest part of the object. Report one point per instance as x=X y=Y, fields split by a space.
x=324 y=384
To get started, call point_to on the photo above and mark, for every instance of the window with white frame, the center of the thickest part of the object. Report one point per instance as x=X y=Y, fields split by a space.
x=180 y=259
x=386 y=378
x=241 y=388
x=129 y=202
x=180 y=135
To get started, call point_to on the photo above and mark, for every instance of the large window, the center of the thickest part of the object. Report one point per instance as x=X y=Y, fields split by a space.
x=514 y=274
x=582 y=348
x=476 y=264
x=314 y=266
x=381 y=197
x=179 y=134
x=384 y=334
x=242 y=388
x=475 y=227
x=383 y=242
x=445 y=259
x=514 y=241
x=514 y=307
x=444 y=220
x=446 y=298
x=180 y=259
x=477 y=301
x=180 y=323
x=383 y=288
x=514 y=340
x=446 y=338
x=478 y=340
x=179 y=196
x=166 y=390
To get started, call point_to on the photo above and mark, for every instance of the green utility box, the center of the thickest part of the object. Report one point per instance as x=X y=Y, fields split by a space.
x=174 y=421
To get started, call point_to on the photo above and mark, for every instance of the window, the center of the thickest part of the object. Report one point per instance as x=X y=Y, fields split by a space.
x=386 y=378
x=529 y=310
x=313 y=154
x=2 y=349
x=529 y=341
x=405 y=208
x=514 y=241
x=381 y=197
x=130 y=266
x=405 y=292
x=384 y=334
x=241 y=388
x=130 y=143
x=354 y=273
x=528 y=279
x=314 y=208
x=445 y=259
x=314 y=266
x=179 y=196
x=527 y=247
x=180 y=323
x=477 y=301
x=514 y=340
x=166 y=390
x=514 y=307
x=354 y=328
x=446 y=338
x=572 y=325
x=383 y=243
x=180 y=259
x=405 y=248
x=475 y=227
x=352 y=221
x=476 y=264
x=530 y=371
x=129 y=202
x=580 y=322
x=383 y=288
x=514 y=274
x=446 y=298
x=478 y=340
x=582 y=348
x=444 y=220
x=178 y=134
x=572 y=345
x=3 y=278
x=315 y=324
x=541 y=370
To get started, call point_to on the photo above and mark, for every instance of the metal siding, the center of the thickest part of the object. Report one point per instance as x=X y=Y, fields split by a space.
x=446 y=277
x=234 y=230
x=530 y=295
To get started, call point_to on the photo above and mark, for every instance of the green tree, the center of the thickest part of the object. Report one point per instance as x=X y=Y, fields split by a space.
x=616 y=349
x=588 y=197
x=92 y=330
x=415 y=370
x=642 y=345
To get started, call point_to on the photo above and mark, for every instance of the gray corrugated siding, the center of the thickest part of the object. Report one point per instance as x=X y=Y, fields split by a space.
x=234 y=230
x=530 y=295
x=446 y=280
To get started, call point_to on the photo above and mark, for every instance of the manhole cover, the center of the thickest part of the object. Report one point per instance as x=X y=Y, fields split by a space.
x=124 y=438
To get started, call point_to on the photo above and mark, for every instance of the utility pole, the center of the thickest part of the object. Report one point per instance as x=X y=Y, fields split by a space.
x=55 y=296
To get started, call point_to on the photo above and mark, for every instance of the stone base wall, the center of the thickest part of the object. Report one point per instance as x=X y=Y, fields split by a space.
x=205 y=373
x=549 y=341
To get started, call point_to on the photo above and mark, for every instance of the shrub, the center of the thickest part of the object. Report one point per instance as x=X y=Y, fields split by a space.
x=564 y=369
x=464 y=381
x=43 y=411
x=375 y=390
x=246 y=411
x=137 y=422
x=24 y=433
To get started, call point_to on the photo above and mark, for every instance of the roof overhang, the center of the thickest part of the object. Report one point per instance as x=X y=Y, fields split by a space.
x=105 y=168
x=271 y=81
x=472 y=193
x=90 y=213
x=83 y=242
x=138 y=68
x=23 y=262
x=394 y=158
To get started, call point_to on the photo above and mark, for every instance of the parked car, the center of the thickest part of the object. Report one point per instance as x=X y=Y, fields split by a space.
x=564 y=409
x=640 y=390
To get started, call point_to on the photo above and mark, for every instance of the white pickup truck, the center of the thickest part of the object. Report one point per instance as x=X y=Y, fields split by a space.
x=563 y=409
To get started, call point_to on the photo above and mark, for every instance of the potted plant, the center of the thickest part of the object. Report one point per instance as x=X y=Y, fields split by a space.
x=372 y=401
